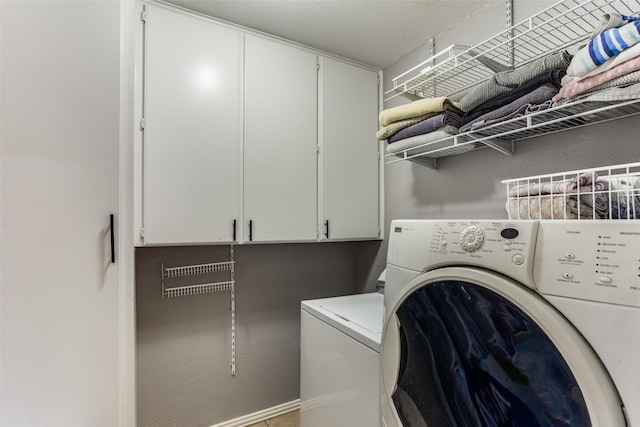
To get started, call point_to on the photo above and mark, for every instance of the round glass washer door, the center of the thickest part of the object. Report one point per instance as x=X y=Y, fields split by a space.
x=467 y=347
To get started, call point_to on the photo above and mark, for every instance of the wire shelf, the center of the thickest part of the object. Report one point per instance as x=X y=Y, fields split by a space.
x=609 y=192
x=565 y=24
x=181 y=291
x=189 y=270
x=501 y=136
x=169 y=275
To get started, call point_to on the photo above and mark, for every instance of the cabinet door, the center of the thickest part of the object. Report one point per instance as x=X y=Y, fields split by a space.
x=280 y=146
x=192 y=78
x=59 y=307
x=349 y=164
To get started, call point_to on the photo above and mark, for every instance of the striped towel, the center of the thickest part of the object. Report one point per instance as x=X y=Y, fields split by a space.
x=604 y=46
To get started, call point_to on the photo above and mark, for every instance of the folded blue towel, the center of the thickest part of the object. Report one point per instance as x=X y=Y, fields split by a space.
x=605 y=45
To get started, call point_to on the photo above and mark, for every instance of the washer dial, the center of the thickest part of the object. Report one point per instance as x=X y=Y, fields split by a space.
x=472 y=238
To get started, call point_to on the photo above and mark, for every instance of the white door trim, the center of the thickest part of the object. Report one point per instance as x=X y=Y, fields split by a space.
x=124 y=221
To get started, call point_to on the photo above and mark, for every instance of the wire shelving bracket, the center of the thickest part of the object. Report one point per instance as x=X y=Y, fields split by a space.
x=169 y=273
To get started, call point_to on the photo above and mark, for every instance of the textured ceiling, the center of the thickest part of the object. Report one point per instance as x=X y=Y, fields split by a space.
x=374 y=32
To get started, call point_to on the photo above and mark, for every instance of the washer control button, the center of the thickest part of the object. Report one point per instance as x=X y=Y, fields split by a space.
x=569 y=255
x=605 y=279
x=567 y=275
x=507 y=248
x=517 y=259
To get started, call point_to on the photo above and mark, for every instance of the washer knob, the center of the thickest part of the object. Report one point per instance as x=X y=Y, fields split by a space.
x=472 y=238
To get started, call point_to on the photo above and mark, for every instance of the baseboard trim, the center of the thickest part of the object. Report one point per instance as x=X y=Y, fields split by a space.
x=262 y=415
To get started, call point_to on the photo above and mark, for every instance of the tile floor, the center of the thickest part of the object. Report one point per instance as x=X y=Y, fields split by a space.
x=290 y=419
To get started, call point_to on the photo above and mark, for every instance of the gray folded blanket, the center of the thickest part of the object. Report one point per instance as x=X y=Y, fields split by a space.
x=431 y=141
x=507 y=80
x=519 y=106
x=428 y=125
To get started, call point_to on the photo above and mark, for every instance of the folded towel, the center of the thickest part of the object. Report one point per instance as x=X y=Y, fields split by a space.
x=605 y=45
x=417 y=108
x=597 y=201
x=621 y=88
x=626 y=187
x=518 y=106
x=507 y=80
x=549 y=207
x=394 y=127
x=624 y=211
x=427 y=138
x=585 y=183
x=551 y=77
x=575 y=86
x=427 y=126
x=623 y=56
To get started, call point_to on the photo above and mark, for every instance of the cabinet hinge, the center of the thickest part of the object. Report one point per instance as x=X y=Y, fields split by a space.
x=142 y=124
x=143 y=16
x=317 y=233
x=318 y=149
x=317 y=64
x=378 y=80
x=142 y=233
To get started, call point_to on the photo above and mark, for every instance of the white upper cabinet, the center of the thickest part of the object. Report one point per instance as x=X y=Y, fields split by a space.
x=280 y=142
x=250 y=139
x=192 y=128
x=349 y=160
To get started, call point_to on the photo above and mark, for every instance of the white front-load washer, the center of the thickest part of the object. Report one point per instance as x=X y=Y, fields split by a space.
x=512 y=323
x=340 y=361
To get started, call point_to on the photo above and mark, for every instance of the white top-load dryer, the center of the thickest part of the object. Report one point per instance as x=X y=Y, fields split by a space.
x=340 y=362
x=512 y=323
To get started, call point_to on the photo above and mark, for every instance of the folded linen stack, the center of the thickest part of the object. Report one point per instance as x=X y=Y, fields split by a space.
x=514 y=93
x=549 y=207
x=585 y=196
x=610 y=59
x=418 y=123
x=581 y=197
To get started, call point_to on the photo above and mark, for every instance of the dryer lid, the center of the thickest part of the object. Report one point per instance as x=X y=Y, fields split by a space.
x=467 y=347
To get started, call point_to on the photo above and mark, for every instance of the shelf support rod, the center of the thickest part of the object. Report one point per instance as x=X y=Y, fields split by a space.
x=510 y=46
x=432 y=55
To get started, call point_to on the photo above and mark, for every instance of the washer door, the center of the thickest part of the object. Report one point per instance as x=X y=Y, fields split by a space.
x=466 y=347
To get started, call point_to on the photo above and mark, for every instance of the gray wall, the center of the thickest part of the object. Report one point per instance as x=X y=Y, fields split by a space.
x=183 y=344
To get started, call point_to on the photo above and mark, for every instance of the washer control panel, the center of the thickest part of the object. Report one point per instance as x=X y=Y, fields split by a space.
x=506 y=247
x=591 y=260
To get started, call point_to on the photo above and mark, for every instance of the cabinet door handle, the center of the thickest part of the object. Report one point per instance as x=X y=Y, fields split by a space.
x=250 y=230
x=113 y=239
x=326 y=234
x=234 y=230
